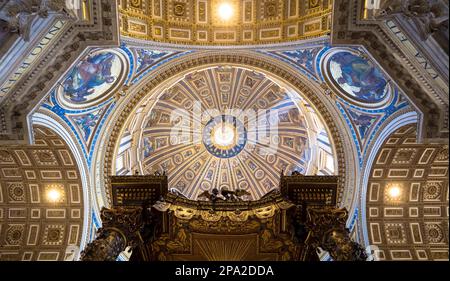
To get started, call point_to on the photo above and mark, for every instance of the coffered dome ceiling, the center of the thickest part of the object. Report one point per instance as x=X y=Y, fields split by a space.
x=225 y=22
x=226 y=127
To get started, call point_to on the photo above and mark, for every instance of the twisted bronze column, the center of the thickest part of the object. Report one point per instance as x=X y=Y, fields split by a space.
x=327 y=230
x=120 y=228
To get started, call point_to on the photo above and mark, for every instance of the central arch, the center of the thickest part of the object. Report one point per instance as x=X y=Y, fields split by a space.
x=158 y=80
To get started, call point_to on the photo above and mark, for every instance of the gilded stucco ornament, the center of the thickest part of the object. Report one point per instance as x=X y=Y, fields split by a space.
x=245 y=22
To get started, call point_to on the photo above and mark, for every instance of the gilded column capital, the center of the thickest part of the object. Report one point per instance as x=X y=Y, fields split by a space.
x=126 y=221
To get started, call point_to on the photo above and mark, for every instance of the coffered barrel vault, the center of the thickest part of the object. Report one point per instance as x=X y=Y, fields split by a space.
x=412 y=225
x=199 y=22
x=31 y=226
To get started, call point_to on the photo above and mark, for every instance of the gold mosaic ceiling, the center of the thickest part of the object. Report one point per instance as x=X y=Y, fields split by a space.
x=251 y=22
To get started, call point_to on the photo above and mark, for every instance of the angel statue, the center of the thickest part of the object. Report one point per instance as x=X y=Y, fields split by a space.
x=428 y=16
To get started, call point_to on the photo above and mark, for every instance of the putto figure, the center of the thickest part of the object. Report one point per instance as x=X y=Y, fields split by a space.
x=428 y=16
x=224 y=195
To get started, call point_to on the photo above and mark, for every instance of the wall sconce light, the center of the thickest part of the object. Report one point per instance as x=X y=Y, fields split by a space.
x=225 y=11
x=393 y=192
x=54 y=193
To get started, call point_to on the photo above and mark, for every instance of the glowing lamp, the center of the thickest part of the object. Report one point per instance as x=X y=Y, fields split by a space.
x=53 y=195
x=394 y=192
x=225 y=11
x=224 y=135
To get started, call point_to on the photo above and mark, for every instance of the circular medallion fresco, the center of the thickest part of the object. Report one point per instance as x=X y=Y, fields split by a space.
x=357 y=78
x=92 y=80
x=224 y=136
